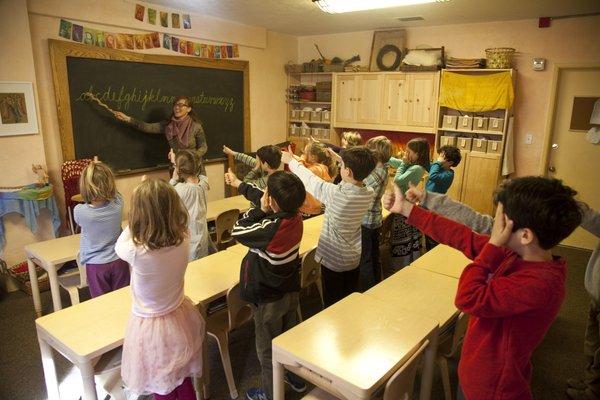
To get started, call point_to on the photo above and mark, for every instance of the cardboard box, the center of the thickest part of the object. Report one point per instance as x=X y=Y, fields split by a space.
x=315 y=116
x=496 y=124
x=449 y=121
x=464 y=143
x=494 y=147
x=480 y=123
x=447 y=141
x=480 y=145
x=465 y=123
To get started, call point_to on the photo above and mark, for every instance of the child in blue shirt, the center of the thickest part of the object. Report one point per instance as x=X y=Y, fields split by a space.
x=441 y=173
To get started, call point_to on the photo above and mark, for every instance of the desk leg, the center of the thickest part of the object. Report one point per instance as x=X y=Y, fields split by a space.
x=54 y=289
x=35 y=289
x=89 y=385
x=49 y=370
x=429 y=365
x=278 y=389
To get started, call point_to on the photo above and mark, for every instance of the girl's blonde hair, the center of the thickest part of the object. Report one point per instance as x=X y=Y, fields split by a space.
x=187 y=163
x=382 y=147
x=97 y=183
x=319 y=151
x=352 y=138
x=157 y=217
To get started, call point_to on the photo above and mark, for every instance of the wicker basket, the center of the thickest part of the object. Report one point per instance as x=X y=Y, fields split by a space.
x=499 y=57
x=20 y=275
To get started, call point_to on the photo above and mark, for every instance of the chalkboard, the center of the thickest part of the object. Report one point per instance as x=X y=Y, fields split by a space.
x=144 y=87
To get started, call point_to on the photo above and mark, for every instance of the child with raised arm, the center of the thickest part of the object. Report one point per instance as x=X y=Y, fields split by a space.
x=267 y=161
x=191 y=188
x=514 y=287
x=405 y=241
x=346 y=204
x=100 y=221
x=270 y=273
x=317 y=159
x=370 y=265
x=164 y=334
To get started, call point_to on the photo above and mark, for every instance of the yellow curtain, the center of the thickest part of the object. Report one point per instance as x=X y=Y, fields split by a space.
x=477 y=93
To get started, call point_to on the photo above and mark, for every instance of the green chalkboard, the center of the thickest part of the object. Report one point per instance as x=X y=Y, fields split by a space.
x=144 y=87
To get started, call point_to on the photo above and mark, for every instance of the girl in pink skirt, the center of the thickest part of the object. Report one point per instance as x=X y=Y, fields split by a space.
x=163 y=339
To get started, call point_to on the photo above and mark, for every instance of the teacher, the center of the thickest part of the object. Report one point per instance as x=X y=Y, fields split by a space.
x=183 y=129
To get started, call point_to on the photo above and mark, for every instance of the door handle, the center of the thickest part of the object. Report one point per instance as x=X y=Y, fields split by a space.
x=551 y=169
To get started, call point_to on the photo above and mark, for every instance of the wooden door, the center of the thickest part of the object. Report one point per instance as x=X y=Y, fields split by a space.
x=572 y=158
x=455 y=189
x=345 y=99
x=369 y=98
x=395 y=103
x=423 y=93
x=481 y=176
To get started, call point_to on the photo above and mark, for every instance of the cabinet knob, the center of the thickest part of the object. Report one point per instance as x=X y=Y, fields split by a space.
x=406 y=101
x=358 y=99
x=417 y=100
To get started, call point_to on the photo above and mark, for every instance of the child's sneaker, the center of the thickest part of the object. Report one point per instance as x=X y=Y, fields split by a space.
x=256 y=394
x=295 y=383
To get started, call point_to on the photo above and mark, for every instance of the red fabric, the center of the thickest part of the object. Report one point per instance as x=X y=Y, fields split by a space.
x=70 y=171
x=512 y=303
x=288 y=235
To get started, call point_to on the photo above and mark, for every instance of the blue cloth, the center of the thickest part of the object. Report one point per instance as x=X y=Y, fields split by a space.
x=440 y=179
x=100 y=229
x=30 y=209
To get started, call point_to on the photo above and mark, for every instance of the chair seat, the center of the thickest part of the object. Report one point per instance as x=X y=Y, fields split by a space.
x=319 y=394
x=70 y=279
x=218 y=321
x=109 y=362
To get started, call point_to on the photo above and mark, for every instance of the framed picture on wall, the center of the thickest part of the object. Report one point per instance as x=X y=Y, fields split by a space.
x=18 y=115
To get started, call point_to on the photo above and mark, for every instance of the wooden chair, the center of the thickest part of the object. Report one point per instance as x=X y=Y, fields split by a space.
x=72 y=281
x=223 y=227
x=70 y=171
x=399 y=387
x=449 y=348
x=107 y=371
x=221 y=322
x=310 y=273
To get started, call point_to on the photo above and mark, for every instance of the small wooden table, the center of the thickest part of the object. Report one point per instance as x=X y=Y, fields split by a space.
x=87 y=330
x=353 y=347
x=49 y=255
x=419 y=291
x=443 y=260
x=216 y=207
x=308 y=242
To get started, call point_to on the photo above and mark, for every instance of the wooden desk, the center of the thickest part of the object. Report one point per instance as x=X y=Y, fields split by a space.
x=308 y=242
x=443 y=260
x=419 y=291
x=49 y=255
x=353 y=347
x=89 y=329
x=314 y=225
x=216 y=207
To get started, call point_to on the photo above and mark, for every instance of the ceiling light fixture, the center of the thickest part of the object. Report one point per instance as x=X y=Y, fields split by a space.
x=344 y=6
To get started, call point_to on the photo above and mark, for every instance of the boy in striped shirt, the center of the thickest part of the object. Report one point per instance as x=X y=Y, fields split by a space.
x=346 y=204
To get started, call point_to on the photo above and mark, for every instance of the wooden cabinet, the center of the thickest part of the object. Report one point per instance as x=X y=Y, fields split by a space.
x=392 y=101
x=479 y=173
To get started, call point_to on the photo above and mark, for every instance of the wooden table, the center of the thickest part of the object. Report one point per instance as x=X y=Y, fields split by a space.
x=216 y=207
x=419 y=291
x=353 y=347
x=87 y=330
x=443 y=260
x=49 y=255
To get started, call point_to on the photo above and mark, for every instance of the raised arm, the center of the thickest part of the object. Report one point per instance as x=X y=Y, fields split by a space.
x=438 y=174
x=591 y=219
x=456 y=211
x=320 y=189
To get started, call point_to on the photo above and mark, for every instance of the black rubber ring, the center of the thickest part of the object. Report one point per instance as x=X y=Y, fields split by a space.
x=385 y=50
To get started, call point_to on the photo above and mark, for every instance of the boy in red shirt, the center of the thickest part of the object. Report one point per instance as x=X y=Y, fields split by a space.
x=514 y=287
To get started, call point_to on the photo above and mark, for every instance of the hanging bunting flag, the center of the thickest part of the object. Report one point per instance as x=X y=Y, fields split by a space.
x=175 y=43
x=187 y=23
x=65 y=29
x=164 y=19
x=167 y=41
x=148 y=43
x=152 y=16
x=100 y=40
x=111 y=40
x=175 y=21
x=155 y=39
x=139 y=41
x=139 y=12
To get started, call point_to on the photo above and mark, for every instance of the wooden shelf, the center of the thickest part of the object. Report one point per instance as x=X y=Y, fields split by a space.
x=499 y=133
x=478 y=69
x=310 y=122
x=310 y=73
x=309 y=102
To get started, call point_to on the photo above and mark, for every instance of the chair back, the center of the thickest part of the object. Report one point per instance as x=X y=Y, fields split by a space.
x=70 y=171
x=400 y=385
x=239 y=310
x=460 y=329
x=224 y=226
x=310 y=270
x=82 y=272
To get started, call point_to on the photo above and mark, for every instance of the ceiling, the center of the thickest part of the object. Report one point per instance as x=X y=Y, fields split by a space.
x=302 y=17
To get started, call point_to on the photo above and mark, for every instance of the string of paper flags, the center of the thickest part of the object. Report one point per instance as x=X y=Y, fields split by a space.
x=128 y=41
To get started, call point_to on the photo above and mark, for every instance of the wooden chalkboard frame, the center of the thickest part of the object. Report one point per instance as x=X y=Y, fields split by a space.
x=60 y=50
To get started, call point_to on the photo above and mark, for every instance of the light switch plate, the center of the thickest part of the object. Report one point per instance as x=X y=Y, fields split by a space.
x=529 y=138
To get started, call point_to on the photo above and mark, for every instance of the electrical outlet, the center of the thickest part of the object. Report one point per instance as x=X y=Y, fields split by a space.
x=529 y=138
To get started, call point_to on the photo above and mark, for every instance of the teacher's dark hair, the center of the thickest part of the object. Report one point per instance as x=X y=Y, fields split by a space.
x=187 y=100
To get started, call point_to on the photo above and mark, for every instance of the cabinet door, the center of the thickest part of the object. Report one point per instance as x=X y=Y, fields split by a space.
x=345 y=100
x=369 y=99
x=395 y=103
x=423 y=93
x=482 y=173
x=459 y=173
